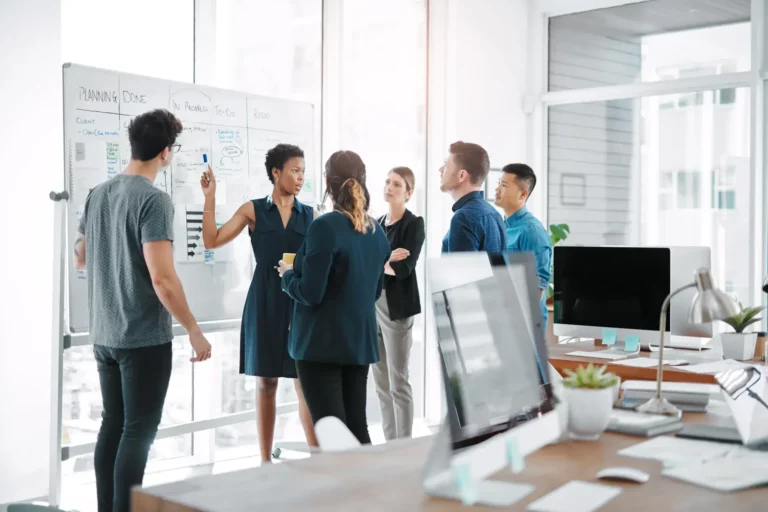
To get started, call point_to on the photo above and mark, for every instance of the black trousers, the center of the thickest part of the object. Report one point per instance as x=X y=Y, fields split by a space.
x=134 y=383
x=338 y=390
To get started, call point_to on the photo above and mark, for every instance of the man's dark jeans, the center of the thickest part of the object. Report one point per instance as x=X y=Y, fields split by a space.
x=134 y=383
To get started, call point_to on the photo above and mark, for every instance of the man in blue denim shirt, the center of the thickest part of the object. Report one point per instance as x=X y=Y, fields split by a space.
x=525 y=233
x=476 y=225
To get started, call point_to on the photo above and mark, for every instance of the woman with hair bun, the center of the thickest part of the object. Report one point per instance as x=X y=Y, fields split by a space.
x=335 y=281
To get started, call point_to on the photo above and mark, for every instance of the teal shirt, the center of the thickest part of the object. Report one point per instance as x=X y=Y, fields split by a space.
x=526 y=234
x=336 y=279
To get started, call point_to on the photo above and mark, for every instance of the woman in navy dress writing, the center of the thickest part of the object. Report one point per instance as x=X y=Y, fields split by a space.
x=276 y=225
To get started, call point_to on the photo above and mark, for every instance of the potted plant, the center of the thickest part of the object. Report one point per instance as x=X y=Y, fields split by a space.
x=557 y=233
x=590 y=394
x=740 y=345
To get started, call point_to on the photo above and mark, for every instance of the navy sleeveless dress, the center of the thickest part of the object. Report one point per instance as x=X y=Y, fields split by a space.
x=268 y=310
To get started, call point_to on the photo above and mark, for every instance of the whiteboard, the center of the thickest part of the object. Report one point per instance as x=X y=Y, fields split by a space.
x=234 y=130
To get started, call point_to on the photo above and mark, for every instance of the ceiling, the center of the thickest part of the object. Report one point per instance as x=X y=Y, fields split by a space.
x=657 y=17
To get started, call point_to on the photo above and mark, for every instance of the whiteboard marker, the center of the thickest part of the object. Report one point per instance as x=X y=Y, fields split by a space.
x=205 y=161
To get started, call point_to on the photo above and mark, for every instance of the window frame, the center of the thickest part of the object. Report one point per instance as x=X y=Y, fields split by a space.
x=753 y=80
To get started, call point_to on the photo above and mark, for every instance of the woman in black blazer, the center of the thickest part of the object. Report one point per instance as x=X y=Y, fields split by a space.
x=397 y=306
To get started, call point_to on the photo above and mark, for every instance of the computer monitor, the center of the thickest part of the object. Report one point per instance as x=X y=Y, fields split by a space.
x=623 y=288
x=494 y=359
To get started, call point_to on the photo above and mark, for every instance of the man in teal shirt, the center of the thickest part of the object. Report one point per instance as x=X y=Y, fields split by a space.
x=525 y=233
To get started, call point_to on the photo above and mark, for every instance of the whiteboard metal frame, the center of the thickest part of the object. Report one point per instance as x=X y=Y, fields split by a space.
x=79 y=339
x=190 y=427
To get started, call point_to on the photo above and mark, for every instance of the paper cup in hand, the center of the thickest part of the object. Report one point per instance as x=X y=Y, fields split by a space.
x=288 y=258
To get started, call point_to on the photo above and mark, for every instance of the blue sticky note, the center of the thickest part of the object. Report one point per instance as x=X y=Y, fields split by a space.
x=632 y=343
x=515 y=459
x=609 y=336
x=465 y=485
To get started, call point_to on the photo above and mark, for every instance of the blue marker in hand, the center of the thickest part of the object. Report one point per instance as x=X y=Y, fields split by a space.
x=205 y=161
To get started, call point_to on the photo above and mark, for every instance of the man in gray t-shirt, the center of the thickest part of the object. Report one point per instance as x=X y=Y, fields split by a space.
x=120 y=216
x=125 y=245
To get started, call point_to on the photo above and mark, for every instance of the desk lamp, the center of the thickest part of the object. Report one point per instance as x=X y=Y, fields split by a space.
x=739 y=381
x=709 y=304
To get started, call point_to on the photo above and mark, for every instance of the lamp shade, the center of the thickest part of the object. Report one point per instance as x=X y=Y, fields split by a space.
x=709 y=303
x=736 y=382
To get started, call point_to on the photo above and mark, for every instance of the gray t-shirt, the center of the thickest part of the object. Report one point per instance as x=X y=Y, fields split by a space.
x=120 y=216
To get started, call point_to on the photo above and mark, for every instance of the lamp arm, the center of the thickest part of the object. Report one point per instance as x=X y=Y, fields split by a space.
x=662 y=328
x=757 y=397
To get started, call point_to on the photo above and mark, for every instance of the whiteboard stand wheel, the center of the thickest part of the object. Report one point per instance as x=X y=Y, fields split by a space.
x=276 y=453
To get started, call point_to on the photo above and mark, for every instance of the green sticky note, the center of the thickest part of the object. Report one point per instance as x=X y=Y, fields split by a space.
x=609 y=336
x=632 y=343
x=465 y=485
x=515 y=459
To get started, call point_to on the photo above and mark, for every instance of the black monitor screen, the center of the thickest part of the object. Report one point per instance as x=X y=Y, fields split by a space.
x=617 y=287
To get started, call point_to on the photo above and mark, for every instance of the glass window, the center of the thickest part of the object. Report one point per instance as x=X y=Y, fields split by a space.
x=149 y=38
x=688 y=190
x=273 y=49
x=668 y=202
x=82 y=406
x=382 y=114
x=648 y=41
x=144 y=37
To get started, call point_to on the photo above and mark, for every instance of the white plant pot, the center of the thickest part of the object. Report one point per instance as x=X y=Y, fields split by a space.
x=589 y=411
x=738 y=346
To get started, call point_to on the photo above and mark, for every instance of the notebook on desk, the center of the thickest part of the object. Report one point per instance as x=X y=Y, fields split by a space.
x=638 y=424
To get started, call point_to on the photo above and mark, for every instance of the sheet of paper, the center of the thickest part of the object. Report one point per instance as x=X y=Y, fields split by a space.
x=675 y=387
x=575 y=496
x=636 y=419
x=600 y=354
x=190 y=248
x=730 y=474
x=676 y=450
x=647 y=362
x=715 y=366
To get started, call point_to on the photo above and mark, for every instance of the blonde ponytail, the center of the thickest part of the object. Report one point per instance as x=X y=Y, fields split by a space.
x=355 y=207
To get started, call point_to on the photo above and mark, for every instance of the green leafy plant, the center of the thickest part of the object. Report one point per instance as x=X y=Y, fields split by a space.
x=589 y=377
x=557 y=233
x=744 y=318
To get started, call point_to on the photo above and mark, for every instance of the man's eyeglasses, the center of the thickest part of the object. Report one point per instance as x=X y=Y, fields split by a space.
x=176 y=148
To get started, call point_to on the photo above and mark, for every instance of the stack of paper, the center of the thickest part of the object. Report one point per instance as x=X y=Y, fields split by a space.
x=715 y=366
x=718 y=466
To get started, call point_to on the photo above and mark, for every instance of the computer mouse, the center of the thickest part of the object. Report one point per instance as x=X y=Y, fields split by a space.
x=622 y=473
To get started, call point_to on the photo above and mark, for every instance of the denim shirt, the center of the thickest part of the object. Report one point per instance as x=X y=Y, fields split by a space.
x=526 y=234
x=475 y=226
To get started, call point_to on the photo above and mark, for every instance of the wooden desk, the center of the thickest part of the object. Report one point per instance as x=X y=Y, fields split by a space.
x=561 y=361
x=391 y=481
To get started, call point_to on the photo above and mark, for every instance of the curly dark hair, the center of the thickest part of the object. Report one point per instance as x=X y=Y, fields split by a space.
x=152 y=132
x=278 y=156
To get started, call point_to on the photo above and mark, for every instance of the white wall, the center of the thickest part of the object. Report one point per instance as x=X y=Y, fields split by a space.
x=478 y=63
x=30 y=142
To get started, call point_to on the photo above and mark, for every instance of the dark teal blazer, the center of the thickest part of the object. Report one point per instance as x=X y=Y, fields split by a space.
x=336 y=279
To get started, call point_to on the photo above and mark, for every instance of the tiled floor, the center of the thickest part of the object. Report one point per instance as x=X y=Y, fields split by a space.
x=82 y=496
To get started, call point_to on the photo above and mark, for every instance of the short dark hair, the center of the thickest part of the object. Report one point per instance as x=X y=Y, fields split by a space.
x=279 y=155
x=473 y=159
x=152 y=132
x=524 y=174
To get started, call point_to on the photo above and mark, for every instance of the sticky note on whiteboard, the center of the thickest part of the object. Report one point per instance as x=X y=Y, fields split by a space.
x=609 y=336
x=79 y=151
